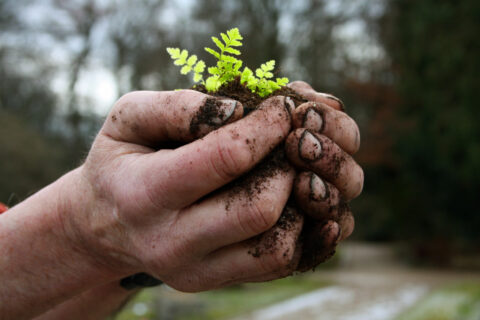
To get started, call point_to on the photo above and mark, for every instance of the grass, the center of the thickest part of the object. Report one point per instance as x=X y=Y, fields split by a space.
x=216 y=304
x=460 y=302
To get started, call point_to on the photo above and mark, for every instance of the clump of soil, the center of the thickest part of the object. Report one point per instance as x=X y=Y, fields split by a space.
x=208 y=114
x=253 y=183
x=250 y=101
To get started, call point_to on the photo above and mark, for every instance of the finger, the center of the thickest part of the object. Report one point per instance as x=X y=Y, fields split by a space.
x=318 y=243
x=305 y=90
x=149 y=117
x=269 y=255
x=338 y=126
x=316 y=197
x=317 y=153
x=322 y=201
x=182 y=176
x=247 y=207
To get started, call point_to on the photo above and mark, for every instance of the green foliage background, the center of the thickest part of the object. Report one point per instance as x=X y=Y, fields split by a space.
x=434 y=49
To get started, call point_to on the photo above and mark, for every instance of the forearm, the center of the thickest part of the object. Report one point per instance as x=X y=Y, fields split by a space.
x=86 y=306
x=40 y=267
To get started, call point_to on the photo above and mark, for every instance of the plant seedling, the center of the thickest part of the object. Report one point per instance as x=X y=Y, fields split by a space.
x=228 y=67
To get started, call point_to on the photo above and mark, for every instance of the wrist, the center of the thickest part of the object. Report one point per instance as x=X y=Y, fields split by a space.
x=41 y=266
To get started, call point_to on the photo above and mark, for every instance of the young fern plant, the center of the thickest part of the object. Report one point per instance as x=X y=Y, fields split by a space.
x=228 y=67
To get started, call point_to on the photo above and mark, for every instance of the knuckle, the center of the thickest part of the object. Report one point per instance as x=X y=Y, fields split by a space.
x=299 y=85
x=230 y=160
x=260 y=216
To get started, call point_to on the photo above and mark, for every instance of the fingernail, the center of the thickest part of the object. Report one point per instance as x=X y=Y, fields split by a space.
x=342 y=105
x=318 y=188
x=339 y=235
x=309 y=147
x=313 y=120
x=289 y=105
x=226 y=108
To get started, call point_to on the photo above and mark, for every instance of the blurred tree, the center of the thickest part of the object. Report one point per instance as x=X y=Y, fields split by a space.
x=435 y=52
x=35 y=138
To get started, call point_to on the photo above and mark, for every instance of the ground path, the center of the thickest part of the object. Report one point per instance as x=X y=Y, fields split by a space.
x=371 y=285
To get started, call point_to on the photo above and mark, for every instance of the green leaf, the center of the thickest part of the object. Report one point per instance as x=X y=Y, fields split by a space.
x=212 y=83
x=191 y=61
x=269 y=65
x=259 y=73
x=218 y=43
x=228 y=58
x=199 y=67
x=174 y=53
x=183 y=56
x=185 y=69
x=238 y=65
x=234 y=34
x=232 y=51
x=213 y=52
x=273 y=86
x=268 y=75
x=246 y=74
x=214 y=71
x=225 y=38
x=282 y=81
x=197 y=77
x=179 y=62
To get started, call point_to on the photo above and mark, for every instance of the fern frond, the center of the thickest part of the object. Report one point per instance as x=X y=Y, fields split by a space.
x=199 y=67
x=185 y=69
x=174 y=53
x=191 y=61
x=228 y=67
x=232 y=51
x=218 y=43
x=213 y=52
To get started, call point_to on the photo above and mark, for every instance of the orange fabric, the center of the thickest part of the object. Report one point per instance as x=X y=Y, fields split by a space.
x=3 y=208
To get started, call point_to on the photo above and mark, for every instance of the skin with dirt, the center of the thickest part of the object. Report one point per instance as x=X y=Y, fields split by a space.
x=313 y=249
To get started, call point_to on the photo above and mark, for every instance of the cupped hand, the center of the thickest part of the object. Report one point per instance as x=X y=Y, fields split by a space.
x=172 y=212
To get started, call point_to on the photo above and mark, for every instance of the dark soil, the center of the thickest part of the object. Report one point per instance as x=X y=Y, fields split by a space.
x=253 y=183
x=250 y=101
x=314 y=250
x=207 y=115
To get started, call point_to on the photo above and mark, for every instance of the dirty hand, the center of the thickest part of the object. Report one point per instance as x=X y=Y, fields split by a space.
x=148 y=208
x=321 y=145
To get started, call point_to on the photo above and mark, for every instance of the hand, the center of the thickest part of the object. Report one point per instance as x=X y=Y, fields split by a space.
x=321 y=145
x=147 y=208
